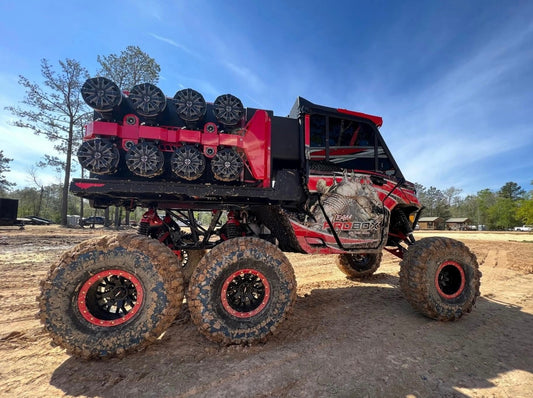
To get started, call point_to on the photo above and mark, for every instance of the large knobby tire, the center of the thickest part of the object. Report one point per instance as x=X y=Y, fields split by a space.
x=241 y=291
x=189 y=260
x=111 y=295
x=359 y=265
x=440 y=278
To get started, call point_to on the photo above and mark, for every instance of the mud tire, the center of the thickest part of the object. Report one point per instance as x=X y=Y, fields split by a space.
x=440 y=278
x=145 y=259
x=205 y=295
x=355 y=266
x=193 y=258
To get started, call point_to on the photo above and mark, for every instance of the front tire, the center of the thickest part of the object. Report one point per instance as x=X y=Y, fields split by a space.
x=359 y=265
x=440 y=278
x=111 y=295
x=241 y=291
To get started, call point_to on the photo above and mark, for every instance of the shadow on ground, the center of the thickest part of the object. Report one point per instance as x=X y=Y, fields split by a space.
x=356 y=341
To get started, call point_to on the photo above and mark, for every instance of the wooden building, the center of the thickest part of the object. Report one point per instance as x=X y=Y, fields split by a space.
x=431 y=223
x=458 y=224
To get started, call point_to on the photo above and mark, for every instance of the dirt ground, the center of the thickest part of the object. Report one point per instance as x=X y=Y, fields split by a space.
x=345 y=338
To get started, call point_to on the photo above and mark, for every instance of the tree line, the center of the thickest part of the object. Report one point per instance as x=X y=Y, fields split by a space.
x=503 y=209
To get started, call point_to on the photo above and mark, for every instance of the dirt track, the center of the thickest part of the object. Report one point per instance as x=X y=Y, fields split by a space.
x=346 y=338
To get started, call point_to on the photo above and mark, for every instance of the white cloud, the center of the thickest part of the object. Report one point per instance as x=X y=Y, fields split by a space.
x=26 y=149
x=171 y=42
x=247 y=77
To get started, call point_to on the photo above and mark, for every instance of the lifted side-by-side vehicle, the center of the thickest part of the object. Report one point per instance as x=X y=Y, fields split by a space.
x=228 y=190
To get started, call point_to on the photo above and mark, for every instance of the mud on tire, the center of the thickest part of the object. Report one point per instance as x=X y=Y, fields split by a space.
x=190 y=259
x=440 y=278
x=359 y=265
x=241 y=291
x=111 y=295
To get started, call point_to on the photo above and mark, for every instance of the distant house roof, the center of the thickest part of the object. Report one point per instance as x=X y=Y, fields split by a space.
x=458 y=219
x=429 y=219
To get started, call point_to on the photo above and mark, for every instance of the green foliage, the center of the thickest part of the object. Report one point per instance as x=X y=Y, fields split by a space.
x=44 y=202
x=502 y=215
x=434 y=200
x=5 y=185
x=511 y=190
x=524 y=211
x=131 y=67
x=501 y=210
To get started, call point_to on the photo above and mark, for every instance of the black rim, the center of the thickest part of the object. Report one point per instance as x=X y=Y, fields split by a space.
x=361 y=262
x=245 y=293
x=184 y=258
x=110 y=298
x=450 y=280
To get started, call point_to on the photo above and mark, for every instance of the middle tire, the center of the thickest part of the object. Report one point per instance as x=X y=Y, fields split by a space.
x=241 y=291
x=189 y=260
x=359 y=265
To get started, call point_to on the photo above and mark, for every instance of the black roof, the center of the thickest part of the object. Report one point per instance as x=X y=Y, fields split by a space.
x=303 y=106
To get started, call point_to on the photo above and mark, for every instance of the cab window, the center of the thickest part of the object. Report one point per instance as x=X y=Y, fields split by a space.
x=348 y=144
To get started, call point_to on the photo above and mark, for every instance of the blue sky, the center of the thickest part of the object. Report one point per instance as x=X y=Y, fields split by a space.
x=453 y=80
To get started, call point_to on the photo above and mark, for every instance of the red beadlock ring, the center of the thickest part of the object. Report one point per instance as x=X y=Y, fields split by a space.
x=92 y=318
x=240 y=274
x=455 y=270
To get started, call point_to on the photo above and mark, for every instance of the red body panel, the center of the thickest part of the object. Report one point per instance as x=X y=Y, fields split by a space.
x=252 y=141
x=378 y=121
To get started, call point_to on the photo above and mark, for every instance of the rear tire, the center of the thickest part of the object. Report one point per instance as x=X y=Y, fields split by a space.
x=241 y=291
x=111 y=295
x=359 y=265
x=440 y=277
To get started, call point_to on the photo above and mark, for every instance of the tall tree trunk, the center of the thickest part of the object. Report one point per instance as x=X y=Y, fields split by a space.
x=64 y=201
x=81 y=199
x=40 y=204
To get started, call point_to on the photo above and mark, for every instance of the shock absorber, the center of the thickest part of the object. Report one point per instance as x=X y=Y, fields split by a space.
x=149 y=223
x=232 y=228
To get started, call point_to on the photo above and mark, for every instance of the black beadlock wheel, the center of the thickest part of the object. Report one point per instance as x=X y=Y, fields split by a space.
x=147 y=99
x=145 y=160
x=241 y=291
x=228 y=109
x=111 y=295
x=188 y=162
x=190 y=105
x=99 y=156
x=227 y=165
x=359 y=265
x=101 y=94
x=440 y=278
